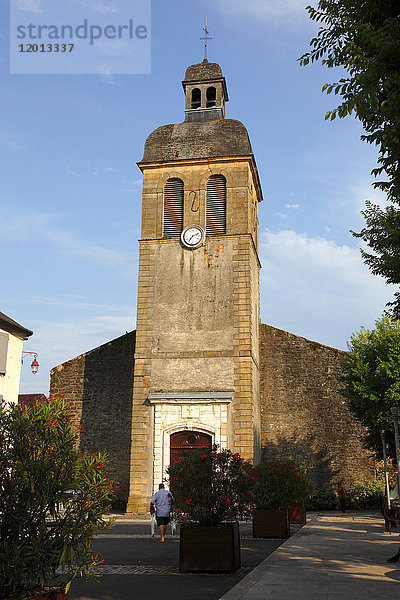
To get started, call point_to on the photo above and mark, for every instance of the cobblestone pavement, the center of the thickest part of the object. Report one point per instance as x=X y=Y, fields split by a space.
x=150 y=570
x=138 y=566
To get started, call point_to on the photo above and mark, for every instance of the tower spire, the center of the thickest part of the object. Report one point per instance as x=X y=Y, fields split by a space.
x=206 y=38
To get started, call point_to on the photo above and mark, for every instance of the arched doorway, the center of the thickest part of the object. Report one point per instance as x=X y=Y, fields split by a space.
x=182 y=441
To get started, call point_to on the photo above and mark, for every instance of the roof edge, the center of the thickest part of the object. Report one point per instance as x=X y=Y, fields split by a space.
x=299 y=337
x=13 y=327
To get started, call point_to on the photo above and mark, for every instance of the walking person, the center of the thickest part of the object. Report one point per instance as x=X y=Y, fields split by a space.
x=161 y=504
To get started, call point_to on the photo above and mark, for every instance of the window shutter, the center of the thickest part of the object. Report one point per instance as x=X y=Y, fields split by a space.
x=173 y=208
x=3 y=352
x=216 y=205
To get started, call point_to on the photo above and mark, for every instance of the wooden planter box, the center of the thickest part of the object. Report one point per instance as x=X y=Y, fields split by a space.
x=210 y=549
x=271 y=523
x=297 y=513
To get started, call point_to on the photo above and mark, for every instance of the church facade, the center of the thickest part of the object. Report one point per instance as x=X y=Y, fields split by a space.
x=200 y=368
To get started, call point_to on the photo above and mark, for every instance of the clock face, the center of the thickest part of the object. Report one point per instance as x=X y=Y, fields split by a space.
x=192 y=236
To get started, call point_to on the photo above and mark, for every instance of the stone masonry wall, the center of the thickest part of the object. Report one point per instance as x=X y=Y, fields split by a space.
x=197 y=309
x=98 y=387
x=302 y=413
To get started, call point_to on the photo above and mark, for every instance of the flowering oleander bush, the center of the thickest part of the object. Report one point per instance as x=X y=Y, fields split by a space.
x=52 y=500
x=211 y=486
x=280 y=483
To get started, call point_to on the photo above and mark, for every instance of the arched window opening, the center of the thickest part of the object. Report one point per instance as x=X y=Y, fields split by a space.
x=196 y=98
x=216 y=205
x=211 y=97
x=173 y=207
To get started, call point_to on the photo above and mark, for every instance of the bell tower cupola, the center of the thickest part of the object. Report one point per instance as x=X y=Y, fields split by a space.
x=206 y=92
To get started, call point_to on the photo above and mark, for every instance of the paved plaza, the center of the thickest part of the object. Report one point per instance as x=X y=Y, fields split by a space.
x=332 y=556
x=329 y=558
x=136 y=566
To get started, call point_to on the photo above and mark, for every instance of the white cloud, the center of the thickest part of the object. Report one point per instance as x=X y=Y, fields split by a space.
x=10 y=141
x=316 y=288
x=59 y=341
x=101 y=7
x=72 y=172
x=45 y=226
x=263 y=10
x=73 y=301
x=296 y=206
x=33 y=6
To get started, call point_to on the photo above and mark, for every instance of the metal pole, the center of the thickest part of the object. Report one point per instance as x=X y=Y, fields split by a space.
x=395 y=416
x=386 y=470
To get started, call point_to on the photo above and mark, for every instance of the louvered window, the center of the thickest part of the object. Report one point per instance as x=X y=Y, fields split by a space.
x=211 y=97
x=173 y=207
x=216 y=205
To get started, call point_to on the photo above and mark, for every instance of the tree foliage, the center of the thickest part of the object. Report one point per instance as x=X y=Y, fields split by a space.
x=371 y=378
x=363 y=37
x=382 y=234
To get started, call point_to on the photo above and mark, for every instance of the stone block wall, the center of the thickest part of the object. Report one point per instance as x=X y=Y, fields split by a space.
x=302 y=413
x=98 y=386
x=198 y=309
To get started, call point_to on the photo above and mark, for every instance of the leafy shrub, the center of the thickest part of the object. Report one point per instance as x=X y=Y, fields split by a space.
x=322 y=499
x=280 y=483
x=211 y=486
x=52 y=498
x=366 y=495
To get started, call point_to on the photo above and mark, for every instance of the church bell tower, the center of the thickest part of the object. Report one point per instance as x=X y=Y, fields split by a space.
x=196 y=374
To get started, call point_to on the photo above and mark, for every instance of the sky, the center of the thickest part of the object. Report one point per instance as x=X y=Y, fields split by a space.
x=71 y=190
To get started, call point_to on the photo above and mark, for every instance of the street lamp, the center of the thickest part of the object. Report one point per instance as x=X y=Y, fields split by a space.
x=385 y=465
x=35 y=364
x=395 y=416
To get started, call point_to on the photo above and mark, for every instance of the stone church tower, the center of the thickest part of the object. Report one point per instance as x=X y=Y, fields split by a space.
x=200 y=368
x=196 y=374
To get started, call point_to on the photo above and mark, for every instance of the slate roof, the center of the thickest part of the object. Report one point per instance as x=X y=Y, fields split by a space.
x=203 y=139
x=203 y=71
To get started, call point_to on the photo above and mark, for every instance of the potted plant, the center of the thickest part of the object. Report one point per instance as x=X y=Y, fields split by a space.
x=212 y=488
x=279 y=484
x=52 y=498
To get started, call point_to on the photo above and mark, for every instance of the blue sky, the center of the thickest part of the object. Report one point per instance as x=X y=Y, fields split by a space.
x=71 y=190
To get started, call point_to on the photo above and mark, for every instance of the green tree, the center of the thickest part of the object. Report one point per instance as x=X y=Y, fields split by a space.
x=363 y=37
x=371 y=378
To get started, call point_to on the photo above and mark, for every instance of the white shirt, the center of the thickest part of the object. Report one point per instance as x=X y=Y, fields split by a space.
x=162 y=500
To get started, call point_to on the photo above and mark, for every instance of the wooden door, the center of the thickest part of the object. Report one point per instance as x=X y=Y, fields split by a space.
x=184 y=441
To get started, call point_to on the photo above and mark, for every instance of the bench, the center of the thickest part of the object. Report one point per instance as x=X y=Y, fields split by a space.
x=392 y=517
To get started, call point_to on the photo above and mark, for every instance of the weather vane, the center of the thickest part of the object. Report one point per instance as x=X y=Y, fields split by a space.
x=206 y=38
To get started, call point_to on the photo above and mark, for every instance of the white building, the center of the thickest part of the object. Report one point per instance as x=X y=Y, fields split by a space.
x=12 y=336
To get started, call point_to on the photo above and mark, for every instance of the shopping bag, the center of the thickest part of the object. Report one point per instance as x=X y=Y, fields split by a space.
x=173 y=523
